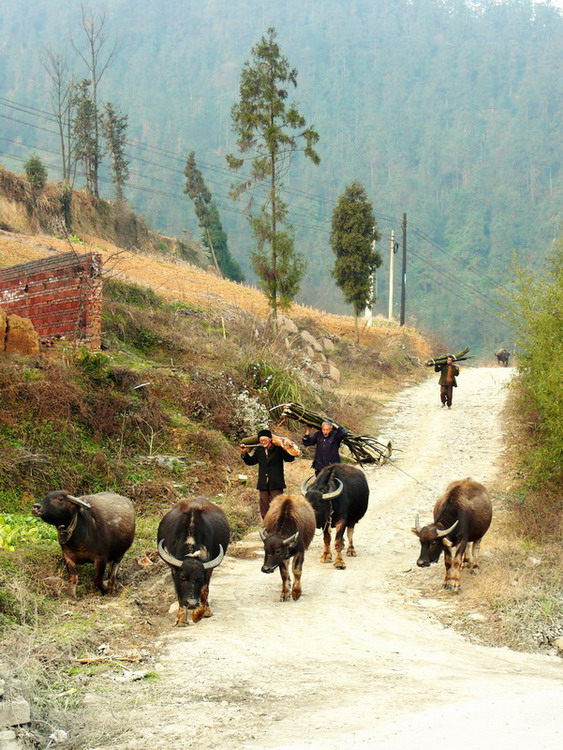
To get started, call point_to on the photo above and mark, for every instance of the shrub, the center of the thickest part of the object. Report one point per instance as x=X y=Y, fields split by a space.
x=35 y=172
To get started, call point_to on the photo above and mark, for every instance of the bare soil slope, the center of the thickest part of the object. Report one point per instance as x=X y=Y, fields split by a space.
x=361 y=661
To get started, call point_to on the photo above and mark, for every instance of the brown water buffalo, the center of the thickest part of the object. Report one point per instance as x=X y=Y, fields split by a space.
x=289 y=528
x=339 y=496
x=462 y=515
x=95 y=529
x=193 y=538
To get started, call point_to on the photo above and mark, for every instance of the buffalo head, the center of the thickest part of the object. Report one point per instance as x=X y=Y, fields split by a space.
x=58 y=507
x=320 y=495
x=190 y=573
x=432 y=542
x=277 y=549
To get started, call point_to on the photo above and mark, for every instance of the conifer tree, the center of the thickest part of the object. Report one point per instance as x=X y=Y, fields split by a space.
x=270 y=130
x=214 y=237
x=114 y=128
x=352 y=238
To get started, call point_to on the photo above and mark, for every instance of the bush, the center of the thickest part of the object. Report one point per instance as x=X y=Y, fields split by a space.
x=537 y=315
x=35 y=172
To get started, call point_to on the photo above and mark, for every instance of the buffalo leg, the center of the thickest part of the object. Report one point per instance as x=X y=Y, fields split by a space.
x=351 y=551
x=475 y=556
x=339 y=546
x=203 y=609
x=448 y=563
x=72 y=574
x=297 y=570
x=113 y=567
x=181 y=617
x=284 y=572
x=99 y=572
x=326 y=556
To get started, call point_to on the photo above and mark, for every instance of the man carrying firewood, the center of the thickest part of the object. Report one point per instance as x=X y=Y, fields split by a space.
x=269 y=454
x=448 y=374
x=327 y=441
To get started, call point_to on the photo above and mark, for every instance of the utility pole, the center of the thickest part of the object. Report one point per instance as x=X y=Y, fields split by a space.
x=404 y=274
x=368 y=312
x=391 y=273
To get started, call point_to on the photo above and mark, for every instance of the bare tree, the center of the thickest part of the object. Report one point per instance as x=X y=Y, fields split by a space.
x=97 y=60
x=61 y=92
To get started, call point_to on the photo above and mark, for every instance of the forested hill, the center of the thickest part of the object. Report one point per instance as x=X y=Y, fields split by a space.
x=448 y=111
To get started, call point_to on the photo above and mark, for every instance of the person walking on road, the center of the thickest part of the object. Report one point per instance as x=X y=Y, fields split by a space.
x=448 y=374
x=270 y=458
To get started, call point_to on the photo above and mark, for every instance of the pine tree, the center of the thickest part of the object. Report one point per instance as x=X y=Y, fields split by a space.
x=352 y=236
x=84 y=129
x=114 y=129
x=271 y=130
x=214 y=237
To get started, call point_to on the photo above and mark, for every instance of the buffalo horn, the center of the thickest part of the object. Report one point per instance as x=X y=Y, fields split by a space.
x=417 y=524
x=334 y=493
x=78 y=501
x=167 y=557
x=263 y=534
x=445 y=532
x=210 y=564
x=291 y=539
x=304 y=484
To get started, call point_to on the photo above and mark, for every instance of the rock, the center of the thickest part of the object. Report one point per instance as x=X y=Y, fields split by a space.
x=14 y=711
x=21 y=337
x=311 y=341
x=476 y=617
x=327 y=345
x=286 y=324
x=558 y=643
x=8 y=740
x=333 y=372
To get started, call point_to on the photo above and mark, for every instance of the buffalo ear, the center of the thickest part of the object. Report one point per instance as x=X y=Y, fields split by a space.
x=416 y=532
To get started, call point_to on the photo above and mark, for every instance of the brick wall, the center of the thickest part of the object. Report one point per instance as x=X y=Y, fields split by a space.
x=62 y=295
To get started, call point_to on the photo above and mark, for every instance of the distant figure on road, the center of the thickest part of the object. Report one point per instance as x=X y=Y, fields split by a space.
x=327 y=440
x=503 y=355
x=448 y=374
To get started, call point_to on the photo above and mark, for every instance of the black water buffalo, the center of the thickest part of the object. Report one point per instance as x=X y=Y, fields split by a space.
x=289 y=528
x=462 y=515
x=339 y=496
x=503 y=355
x=92 y=528
x=193 y=538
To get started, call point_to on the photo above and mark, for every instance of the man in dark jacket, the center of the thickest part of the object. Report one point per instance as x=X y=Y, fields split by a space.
x=270 y=459
x=448 y=374
x=327 y=441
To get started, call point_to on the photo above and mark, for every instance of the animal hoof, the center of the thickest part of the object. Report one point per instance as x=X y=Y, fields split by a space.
x=340 y=565
x=447 y=587
x=351 y=553
x=197 y=615
x=295 y=595
x=326 y=558
x=284 y=598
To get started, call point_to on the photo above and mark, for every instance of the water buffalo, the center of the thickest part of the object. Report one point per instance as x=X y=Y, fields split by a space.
x=339 y=496
x=503 y=355
x=92 y=528
x=289 y=528
x=193 y=538
x=462 y=515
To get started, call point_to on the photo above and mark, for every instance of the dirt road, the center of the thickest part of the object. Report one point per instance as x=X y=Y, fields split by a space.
x=359 y=661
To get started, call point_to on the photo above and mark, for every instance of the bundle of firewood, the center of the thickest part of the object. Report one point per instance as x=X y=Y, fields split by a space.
x=288 y=445
x=364 y=448
x=459 y=357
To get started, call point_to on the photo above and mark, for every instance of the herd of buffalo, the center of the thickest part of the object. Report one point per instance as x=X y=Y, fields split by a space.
x=194 y=535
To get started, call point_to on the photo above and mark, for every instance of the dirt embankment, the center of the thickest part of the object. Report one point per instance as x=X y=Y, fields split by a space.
x=361 y=660
x=178 y=280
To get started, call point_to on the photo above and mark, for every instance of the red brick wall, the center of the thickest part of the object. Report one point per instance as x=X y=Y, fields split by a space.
x=62 y=295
